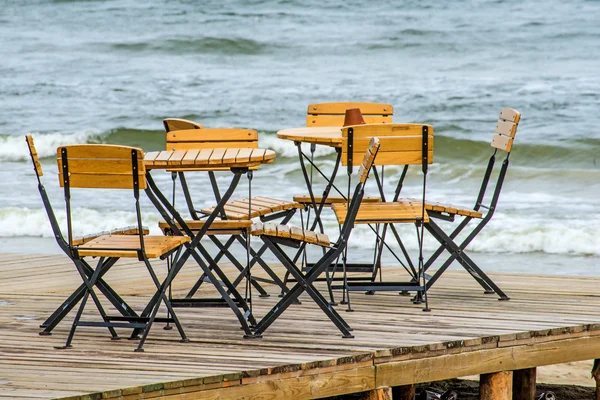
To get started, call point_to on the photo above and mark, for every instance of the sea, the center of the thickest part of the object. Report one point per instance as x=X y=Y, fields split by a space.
x=109 y=71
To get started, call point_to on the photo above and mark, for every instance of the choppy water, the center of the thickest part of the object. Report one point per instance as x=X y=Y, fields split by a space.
x=110 y=71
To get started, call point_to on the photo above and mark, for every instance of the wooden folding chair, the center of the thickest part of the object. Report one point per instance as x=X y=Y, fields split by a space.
x=49 y=324
x=503 y=138
x=114 y=167
x=332 y=114
x=184 y=135
x=276 y=236
x=401 y=144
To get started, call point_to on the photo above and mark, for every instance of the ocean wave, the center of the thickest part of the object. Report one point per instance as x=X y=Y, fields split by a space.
x=191 y=46
x=450 y=152
x=14 y=148
x=287 y=148
x=504 y=236
x=22 y=221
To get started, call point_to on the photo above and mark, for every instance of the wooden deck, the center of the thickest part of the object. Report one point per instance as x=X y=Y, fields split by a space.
x=548 y=320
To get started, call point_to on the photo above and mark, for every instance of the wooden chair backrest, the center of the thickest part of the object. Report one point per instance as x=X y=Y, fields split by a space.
x=177 y=124
x=212 y=138
x=100 y=166
x=34 y=155
x=332 y=114
x=506 y=128
x=368 y=159
x=400 y=144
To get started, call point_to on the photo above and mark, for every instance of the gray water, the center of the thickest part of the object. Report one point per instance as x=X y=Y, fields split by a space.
x=110 y=71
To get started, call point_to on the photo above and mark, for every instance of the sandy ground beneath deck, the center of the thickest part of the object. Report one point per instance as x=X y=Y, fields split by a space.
x=573 y=373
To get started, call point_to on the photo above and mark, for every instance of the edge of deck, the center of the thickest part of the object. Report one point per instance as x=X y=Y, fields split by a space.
x=372 y=370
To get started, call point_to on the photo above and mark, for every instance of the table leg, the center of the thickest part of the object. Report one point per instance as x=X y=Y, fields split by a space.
x=193 y=247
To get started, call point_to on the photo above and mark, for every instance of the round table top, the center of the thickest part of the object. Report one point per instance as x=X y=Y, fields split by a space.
x=323 y=135
x=208 y=158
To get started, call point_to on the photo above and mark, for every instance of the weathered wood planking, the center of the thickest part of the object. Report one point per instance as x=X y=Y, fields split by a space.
x=395 y=344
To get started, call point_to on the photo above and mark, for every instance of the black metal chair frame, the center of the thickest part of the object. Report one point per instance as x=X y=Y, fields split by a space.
x=58 y=315
x=230 y=297
x=417 y=275
x=256 y=256
x=457 y=251
x=306 y=279
x=380 y=231
x=141 y=323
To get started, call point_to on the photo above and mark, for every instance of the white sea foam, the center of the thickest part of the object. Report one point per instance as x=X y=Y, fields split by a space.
x=14 y=148
x=16 y=221
x=286 y=148
x=504 y=235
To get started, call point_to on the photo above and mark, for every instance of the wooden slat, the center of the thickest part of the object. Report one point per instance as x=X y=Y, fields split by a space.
x=341 y=107
x=230 y=155
x=129 y=230
x=257 y=229
x=305 y=199
x=506 y=128
x=510 y=114
x=204 y=156
x=290 y=232
x=258 y=154
x=392 y=158
x=502 y=142
x=243 y=155
x=34 y=155
x=392 y=143
x=217 y=156
x=190 y=157
x=310 y=237
x=389 y=212
x=322 y=239
x=150 y=157
x=125 y=246
x=92 y=151
x=163 y=157
x=100 y=166
x=269 y=155
x=104 y=181
x=213 y=135
x=176 y=124
x=447 y=208
x=338 y=120
x=297 y=233
x=270 y=229
x=209 y=145
x=216 y=224
x=382 y=130
x=283 y=231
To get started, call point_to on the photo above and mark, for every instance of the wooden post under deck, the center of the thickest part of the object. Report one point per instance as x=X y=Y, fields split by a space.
x=496 y=386
x=524 y=384
x=405 y=392
x=384 y=393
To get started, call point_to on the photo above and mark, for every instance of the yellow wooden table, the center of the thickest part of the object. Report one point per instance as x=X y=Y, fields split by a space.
x=325 y=135
x=239 y=161
x=195 y=159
